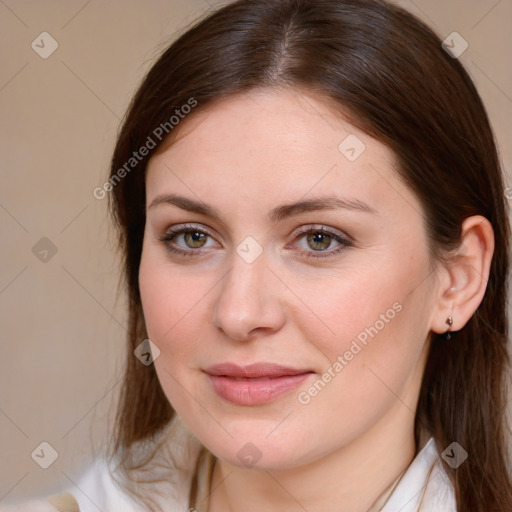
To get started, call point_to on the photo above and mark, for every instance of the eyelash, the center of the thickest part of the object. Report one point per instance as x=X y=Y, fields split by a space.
x=170 y=235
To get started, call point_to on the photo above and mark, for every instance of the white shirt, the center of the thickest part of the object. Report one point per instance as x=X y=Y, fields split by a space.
x=423 y=487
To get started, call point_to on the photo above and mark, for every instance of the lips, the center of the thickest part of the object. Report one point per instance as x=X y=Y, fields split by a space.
x=254 y=384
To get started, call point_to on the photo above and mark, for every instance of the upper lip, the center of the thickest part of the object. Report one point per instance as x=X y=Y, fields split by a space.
x=254 y=370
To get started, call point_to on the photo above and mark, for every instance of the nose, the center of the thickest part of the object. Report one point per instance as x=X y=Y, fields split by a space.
x=249 y=301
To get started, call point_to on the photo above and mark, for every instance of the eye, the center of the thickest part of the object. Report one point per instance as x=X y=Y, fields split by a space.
x=194 y=239
x=313 y=241
x=321 y=242
x=186 y=240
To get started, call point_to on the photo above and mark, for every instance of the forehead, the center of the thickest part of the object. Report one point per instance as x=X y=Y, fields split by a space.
x=271 y=145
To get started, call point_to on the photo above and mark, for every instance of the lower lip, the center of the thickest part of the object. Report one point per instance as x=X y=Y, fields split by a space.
x=255 y=391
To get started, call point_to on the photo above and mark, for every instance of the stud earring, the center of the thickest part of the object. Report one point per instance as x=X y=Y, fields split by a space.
x=448 y=335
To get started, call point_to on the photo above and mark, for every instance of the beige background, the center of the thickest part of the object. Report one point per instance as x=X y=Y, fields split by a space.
x=63 y=329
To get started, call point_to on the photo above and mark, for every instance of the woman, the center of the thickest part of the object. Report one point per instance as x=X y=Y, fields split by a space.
x=312 y=217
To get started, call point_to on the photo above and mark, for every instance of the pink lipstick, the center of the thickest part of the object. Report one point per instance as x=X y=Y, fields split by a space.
x=254 y=384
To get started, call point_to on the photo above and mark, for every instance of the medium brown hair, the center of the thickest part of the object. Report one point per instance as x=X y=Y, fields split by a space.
x=388 y=74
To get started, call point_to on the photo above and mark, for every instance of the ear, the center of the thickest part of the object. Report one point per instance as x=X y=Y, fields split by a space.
x=463 y=275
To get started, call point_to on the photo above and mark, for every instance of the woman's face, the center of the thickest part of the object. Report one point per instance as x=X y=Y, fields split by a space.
x=286 y=281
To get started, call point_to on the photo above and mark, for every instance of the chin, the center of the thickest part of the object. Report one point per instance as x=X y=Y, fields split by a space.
x=251 y=449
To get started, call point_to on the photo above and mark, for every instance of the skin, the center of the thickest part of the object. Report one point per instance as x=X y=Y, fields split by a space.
x=244 y=156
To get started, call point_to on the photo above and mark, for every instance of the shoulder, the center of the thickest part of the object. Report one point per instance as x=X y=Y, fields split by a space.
x=164 y=480
x=439 y=495
x=29 y=506
x=157 y=474
x=425 y=486
x=94 y=489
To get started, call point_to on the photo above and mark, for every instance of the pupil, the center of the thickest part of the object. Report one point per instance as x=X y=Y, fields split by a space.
x=194 y=239
x=320 y=240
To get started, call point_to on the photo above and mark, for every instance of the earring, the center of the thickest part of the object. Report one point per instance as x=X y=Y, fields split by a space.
x=448 y=335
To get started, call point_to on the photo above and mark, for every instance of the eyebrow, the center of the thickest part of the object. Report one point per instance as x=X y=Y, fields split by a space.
x=276 y=214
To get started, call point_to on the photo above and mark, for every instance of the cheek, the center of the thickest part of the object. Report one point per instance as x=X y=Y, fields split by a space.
x=364 y=311
x=371 y=358
x=354 y=306
x=359 y=323
x=172 y=303
x=170 y=297
x=372 y=320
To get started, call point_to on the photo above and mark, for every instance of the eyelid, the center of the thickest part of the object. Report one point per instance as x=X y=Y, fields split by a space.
x=324 y=229
x=344 y=240
x=183 y=228
x=180 y=229
x=299 y=231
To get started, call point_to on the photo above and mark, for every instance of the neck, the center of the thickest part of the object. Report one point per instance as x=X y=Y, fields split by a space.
x=350 y=479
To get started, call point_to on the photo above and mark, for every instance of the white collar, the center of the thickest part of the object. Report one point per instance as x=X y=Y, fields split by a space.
x=424 y=486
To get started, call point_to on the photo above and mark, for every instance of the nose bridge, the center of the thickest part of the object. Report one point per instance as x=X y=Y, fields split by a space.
x=242 y=282
x=246 y=300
